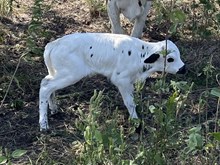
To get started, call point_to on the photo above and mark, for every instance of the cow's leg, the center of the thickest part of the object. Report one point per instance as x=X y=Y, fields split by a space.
x=126 y=89
x=114 y=16
x=140 y=21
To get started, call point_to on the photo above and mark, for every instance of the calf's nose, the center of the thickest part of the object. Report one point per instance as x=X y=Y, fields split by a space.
x=182 y=70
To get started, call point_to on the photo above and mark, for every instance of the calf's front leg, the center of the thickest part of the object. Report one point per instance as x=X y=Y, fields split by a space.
x=128 y=98
x=126 y=89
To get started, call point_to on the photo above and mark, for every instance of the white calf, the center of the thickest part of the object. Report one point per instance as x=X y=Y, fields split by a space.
x=123 y=59
x=134 y=10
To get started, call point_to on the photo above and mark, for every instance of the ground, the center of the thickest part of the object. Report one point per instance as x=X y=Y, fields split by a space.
x=19 y=128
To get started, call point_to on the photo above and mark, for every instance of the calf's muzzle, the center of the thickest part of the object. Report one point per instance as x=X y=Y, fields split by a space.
x=182 y=70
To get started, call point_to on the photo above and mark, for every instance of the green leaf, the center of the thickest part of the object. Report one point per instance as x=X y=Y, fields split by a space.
x=177 y=16
x=173 y=28
x=152 y=108
x=215 y=92
x=159 y=159
x=18 y=153
x=216 y=135
x=195 y=129
x=87 y=135
x=140 y=155
x=98 y=136
x=195 y=141
x=3 y=160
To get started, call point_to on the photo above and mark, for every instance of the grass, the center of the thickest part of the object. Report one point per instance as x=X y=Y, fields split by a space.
x=5 y=7
x=180 y=115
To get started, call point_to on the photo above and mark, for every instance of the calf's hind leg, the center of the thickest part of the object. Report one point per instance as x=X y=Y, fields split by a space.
x=52 y=104
x=48 y=87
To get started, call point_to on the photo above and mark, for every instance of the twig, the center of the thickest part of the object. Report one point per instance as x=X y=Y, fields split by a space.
x=216 y=116
x=6 y=93
x=217 y=79
x=217 y=110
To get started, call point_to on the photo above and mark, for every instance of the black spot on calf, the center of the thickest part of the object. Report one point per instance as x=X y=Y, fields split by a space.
x=91 y=55
x=143 y=55
x=152 y=58
x=142 y=46
x=129 y=52
x=144 y=69
x=139 y=3
x=90 y=47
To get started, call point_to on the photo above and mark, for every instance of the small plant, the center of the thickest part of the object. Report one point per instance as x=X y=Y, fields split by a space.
x=35 y=29
x=216 y=92
x=172 y=17
x=104 y=143
x=7 y=157
x=201 y=17
x=194 y=141
x=164 y=129
x=209 y=9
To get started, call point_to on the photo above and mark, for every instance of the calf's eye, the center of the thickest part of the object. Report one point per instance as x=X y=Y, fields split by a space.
x=170 y=60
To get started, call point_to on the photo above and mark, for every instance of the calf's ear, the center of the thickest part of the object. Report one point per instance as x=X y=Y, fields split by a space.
x=152 y=58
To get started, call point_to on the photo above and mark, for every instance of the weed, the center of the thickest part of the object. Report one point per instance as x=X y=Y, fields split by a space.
x=96 y=6
x=7 y=156
x=203 y=21
x=103 y=143
x=35 y=29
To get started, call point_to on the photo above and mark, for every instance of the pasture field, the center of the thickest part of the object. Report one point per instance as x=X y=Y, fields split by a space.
x=179 y=113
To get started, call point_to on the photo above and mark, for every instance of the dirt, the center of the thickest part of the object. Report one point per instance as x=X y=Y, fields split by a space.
x=19 y=128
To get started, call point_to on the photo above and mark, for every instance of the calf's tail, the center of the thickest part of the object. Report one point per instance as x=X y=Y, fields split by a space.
x=47 y=58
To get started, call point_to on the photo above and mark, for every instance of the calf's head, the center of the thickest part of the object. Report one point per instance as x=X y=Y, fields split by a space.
x=171 y=63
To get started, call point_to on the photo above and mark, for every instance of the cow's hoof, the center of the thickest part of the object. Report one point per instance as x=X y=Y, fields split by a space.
x=45 y=131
